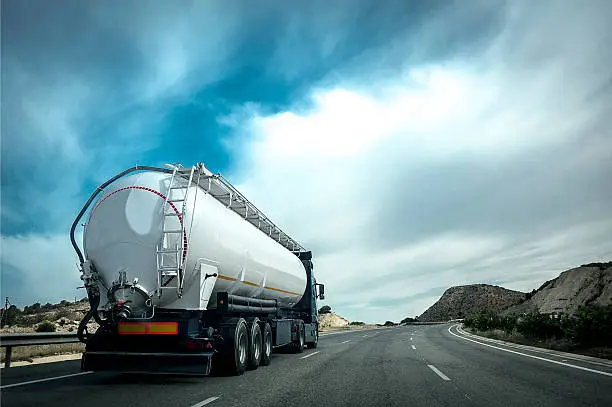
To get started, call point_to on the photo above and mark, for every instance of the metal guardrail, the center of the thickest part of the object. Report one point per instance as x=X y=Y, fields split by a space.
x=9 y=341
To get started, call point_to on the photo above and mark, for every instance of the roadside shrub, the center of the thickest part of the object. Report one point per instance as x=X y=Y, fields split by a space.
x=35 y=319
x=47 y=307
x=408 y=320
x=590 y=325
x=541 y=326
x=326 y=309
x=45 y=326
x=357 y=323
x=483 y=321
x=31 y=309
x=11 y=316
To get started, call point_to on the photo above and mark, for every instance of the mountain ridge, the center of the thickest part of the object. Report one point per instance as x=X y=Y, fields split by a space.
x=587 y=284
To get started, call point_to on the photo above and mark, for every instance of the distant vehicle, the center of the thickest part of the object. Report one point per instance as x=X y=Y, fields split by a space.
x=184 y=274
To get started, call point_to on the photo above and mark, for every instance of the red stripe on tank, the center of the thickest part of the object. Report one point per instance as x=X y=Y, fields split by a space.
x=162 y=196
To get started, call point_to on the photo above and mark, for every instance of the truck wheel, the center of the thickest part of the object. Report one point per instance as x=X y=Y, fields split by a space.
x=299 y=345
x=266 y=353
x=313 y=345
x=239 y=357
x=255 y=346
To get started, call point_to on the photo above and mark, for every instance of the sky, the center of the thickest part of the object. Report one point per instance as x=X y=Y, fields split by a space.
x=412 y=146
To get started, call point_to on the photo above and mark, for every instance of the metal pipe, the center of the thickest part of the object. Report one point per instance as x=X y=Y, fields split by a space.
x=247 y=308
x=239 y=300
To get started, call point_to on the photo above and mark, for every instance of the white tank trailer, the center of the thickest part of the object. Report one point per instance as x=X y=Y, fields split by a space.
x=184 y=274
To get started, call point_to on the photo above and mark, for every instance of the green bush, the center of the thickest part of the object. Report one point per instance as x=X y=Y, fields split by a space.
x=357 y=323
x=541 y=326
x=483 y=321
x=589 y=326
x=11 y=316
x=31 y=309
x=45 y=326
x=408 y=320
x=326 y=309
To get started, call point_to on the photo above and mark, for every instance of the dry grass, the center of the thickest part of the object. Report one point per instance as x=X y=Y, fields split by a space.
x=28 y=353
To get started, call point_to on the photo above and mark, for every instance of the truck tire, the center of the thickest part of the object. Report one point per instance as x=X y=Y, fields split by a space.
x=266 y=352
x=239 y=352
x=299 y=344
x=255 y=344
x=313 y=345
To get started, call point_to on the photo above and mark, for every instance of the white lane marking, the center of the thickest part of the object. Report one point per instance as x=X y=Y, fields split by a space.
x=205 y=402
x=439 y=373
x=538 y=350
x=411 y=338
x=531 y=356
x=345 y=341
x=364 y=336
x=310 y=354
x=6 y=386
x=413 y=347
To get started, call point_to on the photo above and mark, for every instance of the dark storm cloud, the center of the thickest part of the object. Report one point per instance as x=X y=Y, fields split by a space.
x=83 y=81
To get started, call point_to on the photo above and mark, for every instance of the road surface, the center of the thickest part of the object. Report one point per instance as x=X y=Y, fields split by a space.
x=434 y=365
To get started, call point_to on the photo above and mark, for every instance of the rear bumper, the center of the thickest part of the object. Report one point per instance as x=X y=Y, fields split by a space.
x=133 y=362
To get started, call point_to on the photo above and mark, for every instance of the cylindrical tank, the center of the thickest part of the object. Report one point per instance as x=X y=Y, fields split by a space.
x=125 y=227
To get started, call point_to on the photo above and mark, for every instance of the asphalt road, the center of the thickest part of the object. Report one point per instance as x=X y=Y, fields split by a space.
x=431 y=365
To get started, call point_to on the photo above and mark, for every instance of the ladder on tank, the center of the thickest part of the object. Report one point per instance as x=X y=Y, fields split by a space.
x=173 y=246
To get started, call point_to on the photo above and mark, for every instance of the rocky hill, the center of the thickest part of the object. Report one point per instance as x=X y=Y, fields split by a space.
x=587 y=284
x=64 y=316
x=457 y=302
x=331 y=320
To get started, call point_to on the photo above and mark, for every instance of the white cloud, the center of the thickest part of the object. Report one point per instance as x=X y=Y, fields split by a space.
x=46 y=266
x=332 y=168
x=403 y=176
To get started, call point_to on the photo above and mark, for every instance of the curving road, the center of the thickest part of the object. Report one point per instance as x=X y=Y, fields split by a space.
x=434 y=365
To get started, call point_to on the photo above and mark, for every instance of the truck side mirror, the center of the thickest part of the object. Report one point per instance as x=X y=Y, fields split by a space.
x=321 y=291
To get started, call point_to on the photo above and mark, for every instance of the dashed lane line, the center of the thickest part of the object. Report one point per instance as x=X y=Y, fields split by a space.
x=310 y=354
x=438 y=372
x=205 y=402
x=48 y=379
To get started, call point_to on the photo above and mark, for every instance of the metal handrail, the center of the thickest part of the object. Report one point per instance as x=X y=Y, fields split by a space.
x=9 y=341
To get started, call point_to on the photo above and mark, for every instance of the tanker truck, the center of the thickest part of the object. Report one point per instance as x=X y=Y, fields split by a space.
x=184 y=275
